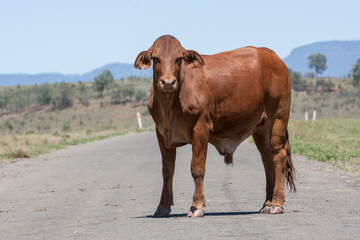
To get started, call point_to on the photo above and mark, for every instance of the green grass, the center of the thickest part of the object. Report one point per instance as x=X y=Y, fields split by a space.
x=335 y=141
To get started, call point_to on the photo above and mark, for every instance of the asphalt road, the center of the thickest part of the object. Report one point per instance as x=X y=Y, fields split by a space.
x=109 y=190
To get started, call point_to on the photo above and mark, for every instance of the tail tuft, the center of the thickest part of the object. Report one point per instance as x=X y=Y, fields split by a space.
x=290 y=169
x=228 y=159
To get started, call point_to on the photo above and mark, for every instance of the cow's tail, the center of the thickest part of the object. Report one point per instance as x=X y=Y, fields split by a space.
x=228 y=159
x=290 y=169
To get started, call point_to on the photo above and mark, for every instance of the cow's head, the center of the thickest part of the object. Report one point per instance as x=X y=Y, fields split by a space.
x=168 y=57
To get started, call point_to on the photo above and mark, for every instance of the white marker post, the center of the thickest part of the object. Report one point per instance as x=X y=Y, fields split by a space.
x=306 y=116
x=314 y=115
x=139 y=120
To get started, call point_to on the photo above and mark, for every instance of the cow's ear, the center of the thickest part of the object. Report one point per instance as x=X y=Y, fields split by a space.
x=143 y=60
x=193 y=59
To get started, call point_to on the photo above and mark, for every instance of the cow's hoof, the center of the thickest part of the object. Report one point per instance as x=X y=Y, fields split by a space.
x=265 y=210
x=194 y=212
x=162 y=212
x=276 y=210
x=271 y=210
x=198 y=213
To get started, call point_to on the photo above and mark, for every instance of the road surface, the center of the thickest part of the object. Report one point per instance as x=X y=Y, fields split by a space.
x=109 y=189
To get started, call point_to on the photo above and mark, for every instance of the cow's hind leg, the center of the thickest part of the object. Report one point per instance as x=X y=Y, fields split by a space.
x=168 y=167
x=279 y=143
x=262 y=140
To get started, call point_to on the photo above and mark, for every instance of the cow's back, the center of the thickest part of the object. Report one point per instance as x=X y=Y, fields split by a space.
x=239 y=81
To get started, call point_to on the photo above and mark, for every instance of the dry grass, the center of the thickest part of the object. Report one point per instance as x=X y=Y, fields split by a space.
x=46 y=131
x=99 y=116
x=25 y=145
x=329 y=105
x=17 y=153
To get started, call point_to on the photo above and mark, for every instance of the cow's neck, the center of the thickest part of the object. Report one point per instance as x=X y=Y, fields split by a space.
x=167 y=104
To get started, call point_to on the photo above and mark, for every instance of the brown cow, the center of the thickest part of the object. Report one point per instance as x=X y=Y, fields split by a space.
x=220 y=99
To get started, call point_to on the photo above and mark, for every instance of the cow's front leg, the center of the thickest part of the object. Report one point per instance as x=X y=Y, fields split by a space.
x=199 y=149
x=168 y=165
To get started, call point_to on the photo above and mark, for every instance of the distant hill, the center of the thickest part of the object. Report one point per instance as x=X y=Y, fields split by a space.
x=341 y=55
x=119 y=70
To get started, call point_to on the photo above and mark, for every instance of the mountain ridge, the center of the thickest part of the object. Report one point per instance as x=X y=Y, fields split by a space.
x=119 y=70
x=341 y=55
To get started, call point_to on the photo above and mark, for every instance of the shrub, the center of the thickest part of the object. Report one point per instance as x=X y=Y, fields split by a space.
x=63 y=97
x=83 y=94
x=4 y=100
x=18 y=153
x=140 y=95
x=116 y=96
x=43 y=94
x=127 y=91
x=326 y=86
x=20 y=98
x=66 y=127
x=309 y=75
x=122 y=94
x=9 y=125
x=298 y=84
x=355 y=72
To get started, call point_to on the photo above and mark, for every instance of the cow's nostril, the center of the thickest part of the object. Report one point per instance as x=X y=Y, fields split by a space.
x=163 y=82
x=173 y=82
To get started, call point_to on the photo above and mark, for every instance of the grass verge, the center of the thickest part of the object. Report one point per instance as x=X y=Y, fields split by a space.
x=335 y=141
x=26 y=146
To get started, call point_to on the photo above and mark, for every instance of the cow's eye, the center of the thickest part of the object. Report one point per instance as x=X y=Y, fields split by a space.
x=178 y=61
x=155 y=60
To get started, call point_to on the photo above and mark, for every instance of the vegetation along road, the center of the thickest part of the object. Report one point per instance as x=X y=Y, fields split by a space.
x=109 y=189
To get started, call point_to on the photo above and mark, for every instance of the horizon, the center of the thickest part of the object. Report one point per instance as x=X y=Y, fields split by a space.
x=77 y=37
x=81 y=73
x=111 y=63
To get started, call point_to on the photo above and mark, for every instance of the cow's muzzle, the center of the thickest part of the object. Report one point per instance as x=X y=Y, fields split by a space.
x=168 y=85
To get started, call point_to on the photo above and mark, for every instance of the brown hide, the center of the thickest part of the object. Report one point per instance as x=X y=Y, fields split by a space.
x=220 y=99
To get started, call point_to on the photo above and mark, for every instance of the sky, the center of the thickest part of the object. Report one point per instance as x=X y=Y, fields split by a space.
x=76 y=36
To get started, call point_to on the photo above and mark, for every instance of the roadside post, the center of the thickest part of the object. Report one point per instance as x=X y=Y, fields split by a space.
x=139 y=120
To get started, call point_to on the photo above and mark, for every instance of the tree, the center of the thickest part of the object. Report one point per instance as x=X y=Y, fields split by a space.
x=102 y=81
x=317 y=61
x=355 y=72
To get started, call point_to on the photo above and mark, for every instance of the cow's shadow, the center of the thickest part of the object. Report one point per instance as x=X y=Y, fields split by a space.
x=205 y=214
